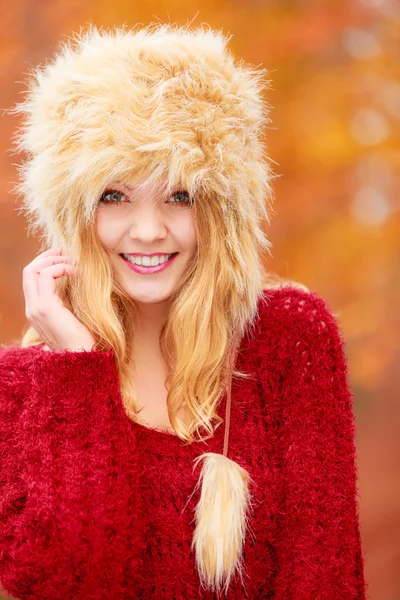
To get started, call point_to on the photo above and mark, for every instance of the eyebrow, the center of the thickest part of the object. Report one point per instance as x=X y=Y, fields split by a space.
x=128 y=186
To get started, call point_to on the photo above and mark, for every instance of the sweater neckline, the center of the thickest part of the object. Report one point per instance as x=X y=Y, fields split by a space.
x=162 y=441
x=161 y=430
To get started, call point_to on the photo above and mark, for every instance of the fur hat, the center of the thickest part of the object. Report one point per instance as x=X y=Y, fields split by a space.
x=160 y=101
x=156 y=102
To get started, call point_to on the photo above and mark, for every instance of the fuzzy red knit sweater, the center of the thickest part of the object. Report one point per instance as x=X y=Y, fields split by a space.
x=95 y=506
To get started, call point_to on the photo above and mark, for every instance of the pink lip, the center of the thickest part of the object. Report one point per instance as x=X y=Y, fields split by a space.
x=144 y=254
x=148 y=270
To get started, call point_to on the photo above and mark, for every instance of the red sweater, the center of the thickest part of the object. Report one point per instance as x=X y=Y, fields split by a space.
x=95 y=506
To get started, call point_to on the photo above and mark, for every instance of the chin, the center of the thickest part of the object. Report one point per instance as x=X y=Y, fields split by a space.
x=152 y=294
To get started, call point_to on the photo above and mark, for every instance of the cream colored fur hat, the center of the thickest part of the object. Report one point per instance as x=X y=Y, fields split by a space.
x=160 y=101
x=156 y=102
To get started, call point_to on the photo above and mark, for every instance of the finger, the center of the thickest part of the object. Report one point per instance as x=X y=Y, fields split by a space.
x=47 y=282
x=50 y=251
x=38 y=265
x=32 y=272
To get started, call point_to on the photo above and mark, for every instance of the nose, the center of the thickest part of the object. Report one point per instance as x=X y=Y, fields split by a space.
x=147 y=224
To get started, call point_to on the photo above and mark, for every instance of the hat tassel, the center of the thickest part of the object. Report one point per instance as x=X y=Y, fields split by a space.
x=221 y=515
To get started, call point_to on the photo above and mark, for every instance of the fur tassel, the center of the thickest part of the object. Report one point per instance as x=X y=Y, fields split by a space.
x=221 y=519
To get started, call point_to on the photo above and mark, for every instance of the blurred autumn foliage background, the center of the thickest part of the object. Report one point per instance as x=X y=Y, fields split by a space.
x=334 y=136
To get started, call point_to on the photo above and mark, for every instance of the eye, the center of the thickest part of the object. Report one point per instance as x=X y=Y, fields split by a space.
x=113 y=194
x=183 y=198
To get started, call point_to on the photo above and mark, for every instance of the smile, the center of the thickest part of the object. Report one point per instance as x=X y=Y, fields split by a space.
x=148 y=270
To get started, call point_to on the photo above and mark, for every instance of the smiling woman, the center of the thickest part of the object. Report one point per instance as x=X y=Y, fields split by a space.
x=149 y=142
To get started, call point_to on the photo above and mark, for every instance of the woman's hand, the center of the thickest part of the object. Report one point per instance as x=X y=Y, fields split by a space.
x=55 y=324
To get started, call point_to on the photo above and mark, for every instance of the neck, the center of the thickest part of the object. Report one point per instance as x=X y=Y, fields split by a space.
x=150 y=321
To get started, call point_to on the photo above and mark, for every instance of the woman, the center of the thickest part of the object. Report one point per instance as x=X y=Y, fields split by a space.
x=147 y=142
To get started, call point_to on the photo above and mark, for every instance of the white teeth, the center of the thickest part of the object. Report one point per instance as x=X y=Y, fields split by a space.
x=147 y=261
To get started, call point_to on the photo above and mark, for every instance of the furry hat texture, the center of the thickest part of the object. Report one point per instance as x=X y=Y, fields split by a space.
x=161 y=101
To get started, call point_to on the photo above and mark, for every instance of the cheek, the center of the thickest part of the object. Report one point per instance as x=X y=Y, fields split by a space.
x=187 y=234
x=107 y=232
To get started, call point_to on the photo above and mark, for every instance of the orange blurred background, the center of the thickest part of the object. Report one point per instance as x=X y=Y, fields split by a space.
x=335 y=109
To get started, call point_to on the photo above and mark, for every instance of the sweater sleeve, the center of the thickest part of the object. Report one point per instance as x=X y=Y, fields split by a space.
x=46 y=406
x=15 y=368
x=318 y=536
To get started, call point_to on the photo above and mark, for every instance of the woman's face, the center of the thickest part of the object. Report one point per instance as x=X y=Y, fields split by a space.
x=132 y=223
